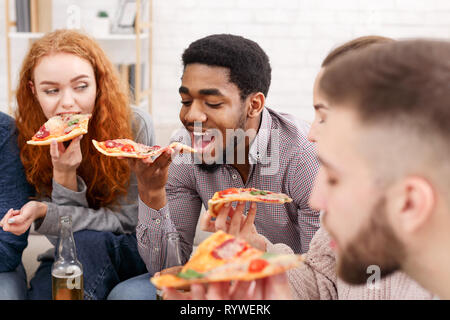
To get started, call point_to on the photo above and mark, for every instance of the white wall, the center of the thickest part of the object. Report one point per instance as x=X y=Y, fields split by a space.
x=296 y=34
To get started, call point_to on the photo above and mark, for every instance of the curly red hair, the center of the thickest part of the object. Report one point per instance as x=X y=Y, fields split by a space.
x=106 y=178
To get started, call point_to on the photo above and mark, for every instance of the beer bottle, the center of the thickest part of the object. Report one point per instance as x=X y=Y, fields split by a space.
x=67 y=272
x=172 y=257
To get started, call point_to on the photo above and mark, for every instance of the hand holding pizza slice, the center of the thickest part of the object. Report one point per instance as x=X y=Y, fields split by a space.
x=222 y=257
x=127 y=148
x=61 y=128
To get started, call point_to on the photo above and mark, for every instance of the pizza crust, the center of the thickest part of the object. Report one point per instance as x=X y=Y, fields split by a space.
x=136 y=145
x=116 y=154
x=217 y=202
x=183 y=147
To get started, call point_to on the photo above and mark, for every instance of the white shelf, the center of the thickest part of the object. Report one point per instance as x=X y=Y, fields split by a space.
x=37 y=35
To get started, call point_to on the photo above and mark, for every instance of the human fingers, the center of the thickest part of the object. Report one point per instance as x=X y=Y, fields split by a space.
x=239 y=290
x=218 y=291
x=54 y=150
x=5 y=218
x=17 y=225
x=222 y=216
x=256 y=290
x=250 y=220
x=174 y=294
x=176 y=150
x=9 y=216
x=277 y=287
x=206 y=222
x=164 y=160
x=236 y=219
x=198 y=291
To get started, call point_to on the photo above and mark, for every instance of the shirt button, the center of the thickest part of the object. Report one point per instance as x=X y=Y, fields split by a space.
x=157 y=221
x=234 y=176
x=167 y=216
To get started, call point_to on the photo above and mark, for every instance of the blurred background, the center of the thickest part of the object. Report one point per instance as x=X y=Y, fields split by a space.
x=296 y=35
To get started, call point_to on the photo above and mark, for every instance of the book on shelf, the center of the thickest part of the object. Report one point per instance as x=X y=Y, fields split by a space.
x=44 y=15
x=127 y=74
x=23 y=16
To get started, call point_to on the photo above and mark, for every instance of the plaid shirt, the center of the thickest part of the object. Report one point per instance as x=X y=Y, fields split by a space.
x=282 y=160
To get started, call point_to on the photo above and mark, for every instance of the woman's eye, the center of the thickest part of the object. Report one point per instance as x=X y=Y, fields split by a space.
x=51 y=91
x=186 y=103
x=82 y=87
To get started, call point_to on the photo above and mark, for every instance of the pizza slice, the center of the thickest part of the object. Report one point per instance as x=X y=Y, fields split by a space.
x=130 y=149
x=61 y=128
x=222 y=257
x=244 y=194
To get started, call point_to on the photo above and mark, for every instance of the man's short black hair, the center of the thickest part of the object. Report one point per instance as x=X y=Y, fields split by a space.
x=249 y=65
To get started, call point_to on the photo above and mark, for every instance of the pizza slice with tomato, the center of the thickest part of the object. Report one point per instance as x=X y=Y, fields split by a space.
x=127 y=148
x=61 y=128
x=244 y=194
x=222 y=257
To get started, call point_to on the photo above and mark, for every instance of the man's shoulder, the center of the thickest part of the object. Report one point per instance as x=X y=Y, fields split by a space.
x=293 y=131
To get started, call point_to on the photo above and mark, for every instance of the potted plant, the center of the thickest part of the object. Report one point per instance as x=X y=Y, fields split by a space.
x=101 y=24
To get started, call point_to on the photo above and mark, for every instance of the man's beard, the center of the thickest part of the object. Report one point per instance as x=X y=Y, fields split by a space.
x=213 y=167
x=376 y=244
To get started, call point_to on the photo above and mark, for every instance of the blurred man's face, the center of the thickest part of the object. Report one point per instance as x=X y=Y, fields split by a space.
x=348 y=190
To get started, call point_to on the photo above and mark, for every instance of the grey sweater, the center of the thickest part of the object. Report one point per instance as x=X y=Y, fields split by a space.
x=68 y=202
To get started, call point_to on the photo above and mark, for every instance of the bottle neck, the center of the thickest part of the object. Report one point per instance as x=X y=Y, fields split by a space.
x=66 y=249
x=173 y=251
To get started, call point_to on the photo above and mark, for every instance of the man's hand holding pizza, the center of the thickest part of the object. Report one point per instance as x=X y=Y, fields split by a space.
x=152 y=177
x=233 y=221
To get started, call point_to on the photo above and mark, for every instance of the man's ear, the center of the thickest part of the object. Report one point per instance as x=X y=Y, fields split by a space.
x=414 y=202
x=256 y=104
x=31 y=85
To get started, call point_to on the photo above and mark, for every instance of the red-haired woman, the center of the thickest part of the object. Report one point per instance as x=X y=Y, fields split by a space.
x=64 y=72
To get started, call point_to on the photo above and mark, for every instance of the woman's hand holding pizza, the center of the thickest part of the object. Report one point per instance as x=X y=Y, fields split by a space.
x=234 y=222
x=19 y=221
x=65 y=162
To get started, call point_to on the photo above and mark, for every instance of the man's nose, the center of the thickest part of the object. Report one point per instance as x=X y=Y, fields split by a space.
x=312 y=133
x=195 y=113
